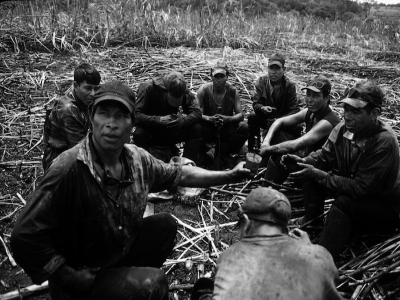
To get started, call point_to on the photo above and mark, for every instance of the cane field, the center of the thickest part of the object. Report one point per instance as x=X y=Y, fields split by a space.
x=41 y=42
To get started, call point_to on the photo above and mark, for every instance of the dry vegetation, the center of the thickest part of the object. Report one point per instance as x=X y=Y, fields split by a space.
x=41 y=44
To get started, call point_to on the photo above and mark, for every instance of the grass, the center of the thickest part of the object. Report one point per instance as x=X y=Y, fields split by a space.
x=52 y=25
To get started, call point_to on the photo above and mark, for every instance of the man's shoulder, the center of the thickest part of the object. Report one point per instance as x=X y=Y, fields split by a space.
x=386 y=134
x=288 y=82
x=65 y=105
x=63 y=163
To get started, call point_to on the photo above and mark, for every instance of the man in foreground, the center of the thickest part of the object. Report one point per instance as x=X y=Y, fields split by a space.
x=160 y=124
x=83 y=229
x=267 y=263
x=274 y=97
x=319 y=119
x=359 y=163
x=68 y=121
x=222 y=111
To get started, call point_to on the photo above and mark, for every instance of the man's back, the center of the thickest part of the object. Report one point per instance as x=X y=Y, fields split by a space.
x=275 y=267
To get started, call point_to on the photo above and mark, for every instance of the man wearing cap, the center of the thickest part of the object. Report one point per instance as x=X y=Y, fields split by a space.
x=83 y=229
x=159 y=120
x=274 y=97
x=359 y=163
x=319 y=119
x=67 y=123
x=222 y=109
x=267 y=263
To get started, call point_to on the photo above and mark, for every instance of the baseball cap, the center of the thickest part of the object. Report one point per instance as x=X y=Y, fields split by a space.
x=220 y=67
x=267 y=204
x=176 y=85
x=117 y=91
x=319 y=84
x=364 y=93
x=276 y=59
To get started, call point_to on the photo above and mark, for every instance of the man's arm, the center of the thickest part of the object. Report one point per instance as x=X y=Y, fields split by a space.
x=237 y=107
x=319 y=131
x=191 y=109
x=142 y=107
x=292 y=105
x=284 y=122
x=198 y=177
x=71 y=125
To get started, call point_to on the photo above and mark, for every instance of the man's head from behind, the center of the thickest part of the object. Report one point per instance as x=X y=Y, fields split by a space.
x=362 y=106
x=176 y=86
x=264 y=207
x=86 y=82
x=276 y=67
x=112 y=115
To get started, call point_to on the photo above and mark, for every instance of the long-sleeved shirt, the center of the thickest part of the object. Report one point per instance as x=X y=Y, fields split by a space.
x=275 y=267
x=367 y=169
x=151 y=103
x=285 y=104
x=66 y=125
x=73 y=218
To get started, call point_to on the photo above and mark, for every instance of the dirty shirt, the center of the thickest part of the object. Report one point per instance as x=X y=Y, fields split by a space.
x=151 y=103
x=284 y=99
x=73 y=218
x=275 y=267
x=365 y=170
x=66 y=125
x=210 y=106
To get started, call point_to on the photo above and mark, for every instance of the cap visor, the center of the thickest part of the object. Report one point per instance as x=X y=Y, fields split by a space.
x=357 y=103
x=275 y=63
x=174 y=101
x=219 y=71
x=312 y=88
x=113 y=97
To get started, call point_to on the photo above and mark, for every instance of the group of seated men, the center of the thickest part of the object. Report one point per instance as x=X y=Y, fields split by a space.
x=83 y=229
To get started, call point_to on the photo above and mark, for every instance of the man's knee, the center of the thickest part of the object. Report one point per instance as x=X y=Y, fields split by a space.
x=243 y=128
x=194 y=132
x=345 y=204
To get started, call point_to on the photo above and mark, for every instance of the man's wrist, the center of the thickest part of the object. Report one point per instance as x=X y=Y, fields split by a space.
x=320 y=176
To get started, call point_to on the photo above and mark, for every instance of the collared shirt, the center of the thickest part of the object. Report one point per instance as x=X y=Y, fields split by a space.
x=369 y=169
x=67 y=124
x=275 y=267
x=151 y=103
x=286 y=99
x=72 y=217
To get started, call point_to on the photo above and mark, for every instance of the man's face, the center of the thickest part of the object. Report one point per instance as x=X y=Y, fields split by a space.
x=85 y=91
x=357 y=120
x=315 y=101
x=219 y=80
x=275 y=72
x=112 y=125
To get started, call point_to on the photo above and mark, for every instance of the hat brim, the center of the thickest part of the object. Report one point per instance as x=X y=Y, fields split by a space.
x=275 y=62
x=312 y=88
x=218 y=71
x=113 y=97
x=357 y=103
x=173 y=100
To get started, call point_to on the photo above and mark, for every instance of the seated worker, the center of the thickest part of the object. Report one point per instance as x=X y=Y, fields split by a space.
x=222 y=109
x=159 y=122
x=360 y=164
x=267 y=263
x=68 y=121
x=319 y=119
x=274 y=97
x=83 y=229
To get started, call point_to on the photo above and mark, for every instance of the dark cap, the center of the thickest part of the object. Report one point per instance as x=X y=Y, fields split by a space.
x=176 y=85
x=364 y=93
x=276 y=59
x=117 y=91
x=220 y=67
x=267 y=204
x=319 y=84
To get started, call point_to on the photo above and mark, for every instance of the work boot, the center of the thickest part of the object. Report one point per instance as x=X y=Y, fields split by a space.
x=336 y=233
x=274 y=173
x=191 y=149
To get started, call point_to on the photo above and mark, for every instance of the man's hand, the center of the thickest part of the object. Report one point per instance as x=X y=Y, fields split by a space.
x=291 y=159
x=265 y=150
x=240 y=172
x=300 y=235
x=166 y=120
x=223 y=119
x=307 y=172
x=215 y=120
x=76 y=281
x=175 y=124
x=267 y=109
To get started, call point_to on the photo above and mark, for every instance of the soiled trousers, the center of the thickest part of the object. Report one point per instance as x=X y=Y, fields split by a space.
x=138 y=275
